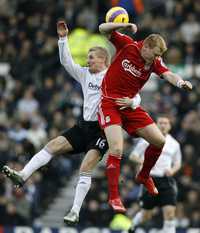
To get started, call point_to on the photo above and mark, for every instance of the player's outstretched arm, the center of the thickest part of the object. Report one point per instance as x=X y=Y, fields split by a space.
x=107 y=28
x=75 y=70
x=176 y=80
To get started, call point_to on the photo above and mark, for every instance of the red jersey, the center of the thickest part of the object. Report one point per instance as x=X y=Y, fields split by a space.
x=127 y=73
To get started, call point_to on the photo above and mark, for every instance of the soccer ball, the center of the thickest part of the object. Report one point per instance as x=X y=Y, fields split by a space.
x=117 y=15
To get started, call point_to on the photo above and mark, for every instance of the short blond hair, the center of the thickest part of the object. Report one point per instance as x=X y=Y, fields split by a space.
x=101 y=52
x=156 y=41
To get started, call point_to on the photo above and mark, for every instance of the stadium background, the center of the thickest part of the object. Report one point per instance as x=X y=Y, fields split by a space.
x=38 y=99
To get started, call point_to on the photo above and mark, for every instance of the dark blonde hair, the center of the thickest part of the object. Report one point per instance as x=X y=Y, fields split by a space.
x=101 y=52
x=156 y=41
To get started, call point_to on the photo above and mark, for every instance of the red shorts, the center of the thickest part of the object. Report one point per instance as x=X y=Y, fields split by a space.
x=129 y=119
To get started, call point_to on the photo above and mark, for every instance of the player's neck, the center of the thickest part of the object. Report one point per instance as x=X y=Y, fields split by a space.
x=147 y=65
x=98 y=70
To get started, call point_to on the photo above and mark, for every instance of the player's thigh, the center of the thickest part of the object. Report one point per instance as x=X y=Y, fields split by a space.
x=58 y=145
x=152 y=134
x=99 y=144
x=147 y=214
x=169 y=212
x=90 y=160
x=109 y=114
x=76 y=138
x=114 y=137
x=135 y=119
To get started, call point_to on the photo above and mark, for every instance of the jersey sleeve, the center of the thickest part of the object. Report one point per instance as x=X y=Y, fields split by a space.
x=119 y=40
x=140 y=148
x=160 y=67
x=75 y=70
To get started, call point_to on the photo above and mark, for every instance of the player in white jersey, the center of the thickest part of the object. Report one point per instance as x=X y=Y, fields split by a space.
x=86 y=136
x=167 y=165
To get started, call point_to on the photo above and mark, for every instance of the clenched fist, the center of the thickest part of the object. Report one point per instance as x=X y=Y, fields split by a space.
x=187 y=85
x=184 y=85
x=62 y=29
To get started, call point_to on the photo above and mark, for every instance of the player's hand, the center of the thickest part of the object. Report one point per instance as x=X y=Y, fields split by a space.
x=187 y=85
x=62 y=29
x=124 y=102
x=168 y=173
x=132 y=27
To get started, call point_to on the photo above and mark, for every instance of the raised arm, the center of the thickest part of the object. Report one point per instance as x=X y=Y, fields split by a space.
x=107 y=28
x=75 y=70
x=176 y=80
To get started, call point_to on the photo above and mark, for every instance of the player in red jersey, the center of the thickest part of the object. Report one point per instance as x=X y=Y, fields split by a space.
x=130 y=70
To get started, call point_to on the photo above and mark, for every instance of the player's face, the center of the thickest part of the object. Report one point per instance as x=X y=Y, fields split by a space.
x=95 y=63
x=148 y=54
x=164 y=125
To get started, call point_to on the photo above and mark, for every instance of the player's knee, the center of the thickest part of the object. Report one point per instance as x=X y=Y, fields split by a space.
x=115 y=148
x=169 y=215
x=85 y=167
x=147 y=215
x=58 y=145
x=161 y=142
x=53 y=146
x=90 y=163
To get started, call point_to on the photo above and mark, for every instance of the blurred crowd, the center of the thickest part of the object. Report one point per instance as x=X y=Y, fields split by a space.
x=38 y=99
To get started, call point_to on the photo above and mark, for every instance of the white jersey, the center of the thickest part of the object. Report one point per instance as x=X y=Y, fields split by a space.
x=90 y=82
x=170 y=155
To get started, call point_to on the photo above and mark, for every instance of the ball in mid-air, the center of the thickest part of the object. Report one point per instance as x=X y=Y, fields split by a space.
x=117 y=15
